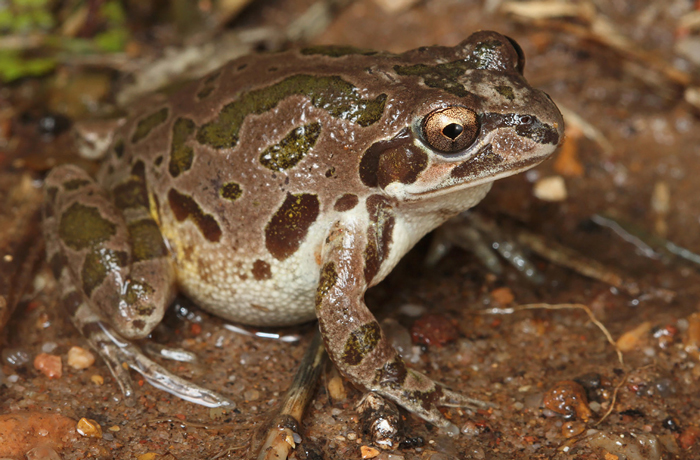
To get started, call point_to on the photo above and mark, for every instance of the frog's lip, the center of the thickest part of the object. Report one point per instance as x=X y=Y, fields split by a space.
x=511 y=170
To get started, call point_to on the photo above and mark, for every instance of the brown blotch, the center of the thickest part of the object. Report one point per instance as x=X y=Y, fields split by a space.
x=288 y=226
x=208 y=85
x=146 y=240
x=379 y=235
x=51 y=193
x=326 y=281
x=401 y=164
x=330 y=172
x=346 y=202
x=158 y=161
x=392 y=375
x=231 y=191
x=138 y=324
x=184 y=207
x=484 y=159
x=361 y=342
x=369 y=164
x=147 y=124
x=427 y=399
x=71 y=302
x=119 y=148
x=57 y=262
x=261 y=270
x=98 y=263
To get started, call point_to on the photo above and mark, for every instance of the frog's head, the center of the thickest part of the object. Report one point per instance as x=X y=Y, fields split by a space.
x=474 y=120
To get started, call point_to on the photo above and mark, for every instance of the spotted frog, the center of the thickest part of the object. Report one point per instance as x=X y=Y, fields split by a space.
x=281 y=187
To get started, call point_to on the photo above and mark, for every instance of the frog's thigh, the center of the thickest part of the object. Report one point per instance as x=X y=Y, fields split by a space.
x=116 y=257
x=354 y=339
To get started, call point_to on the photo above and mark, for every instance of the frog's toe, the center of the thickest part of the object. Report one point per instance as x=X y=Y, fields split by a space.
x=453 y=399
x=120 y=355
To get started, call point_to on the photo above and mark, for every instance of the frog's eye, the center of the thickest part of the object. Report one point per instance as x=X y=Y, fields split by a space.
x=451 y=129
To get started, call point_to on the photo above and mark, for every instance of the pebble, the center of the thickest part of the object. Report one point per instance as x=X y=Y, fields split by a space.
x=433 y=330
x=368 y=452
x=89 y=428
x=552 y=188
x=49 y=365
x=79 y=358
x=568 y=398
x=630 y=339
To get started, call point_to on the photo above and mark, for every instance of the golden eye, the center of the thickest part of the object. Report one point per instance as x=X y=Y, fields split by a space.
x=451 y=129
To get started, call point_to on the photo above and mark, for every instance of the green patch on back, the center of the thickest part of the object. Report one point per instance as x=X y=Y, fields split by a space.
x=336 y=51
x=292 y=149
x=506 y=91
x=83 y=226
x=443 y=76
x=332 y=94
x=230 y=191
x=147 y=124
x=181 y=155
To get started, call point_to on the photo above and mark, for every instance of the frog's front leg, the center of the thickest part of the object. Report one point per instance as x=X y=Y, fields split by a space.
x=353 y=338
x=114 y=270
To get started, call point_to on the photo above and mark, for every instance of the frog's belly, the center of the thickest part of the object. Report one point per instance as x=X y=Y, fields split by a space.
x=250 y=287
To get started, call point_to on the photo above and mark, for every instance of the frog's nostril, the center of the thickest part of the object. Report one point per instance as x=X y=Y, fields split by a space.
x=453 y=130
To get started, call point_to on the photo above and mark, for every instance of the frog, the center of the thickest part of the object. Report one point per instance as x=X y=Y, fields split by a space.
x=278 y=189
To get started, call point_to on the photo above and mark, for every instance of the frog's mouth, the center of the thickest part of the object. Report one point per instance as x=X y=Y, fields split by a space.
x=480 y=173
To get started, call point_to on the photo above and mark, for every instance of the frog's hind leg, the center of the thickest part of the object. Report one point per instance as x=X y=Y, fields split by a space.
x=113 y=262
x=120 y=354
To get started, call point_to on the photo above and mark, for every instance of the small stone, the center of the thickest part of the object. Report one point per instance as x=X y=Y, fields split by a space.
x=502 y=296
x=49 y=365
x=97 y=379
x=630 y=339
x=89 y=428
x=251 y=395
x=433 y=330
x=571 y=429
x=609 y=456
x=568 y=398
x=368 y=452
x=42 y=453
x=147 y=456
x=552 y=188
x=336 y=388
x=79 y=358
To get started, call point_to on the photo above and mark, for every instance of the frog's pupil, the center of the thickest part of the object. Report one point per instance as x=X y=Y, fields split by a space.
x=453 y=130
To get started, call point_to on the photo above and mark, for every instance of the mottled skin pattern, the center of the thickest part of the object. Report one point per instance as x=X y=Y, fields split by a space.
x=282 y=186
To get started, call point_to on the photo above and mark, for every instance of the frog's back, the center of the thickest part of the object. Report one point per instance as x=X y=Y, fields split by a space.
x=246 y=170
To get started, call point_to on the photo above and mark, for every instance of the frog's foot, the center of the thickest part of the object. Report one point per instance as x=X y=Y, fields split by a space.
x=120 y=354
x=419 y=394
x=474 y=233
